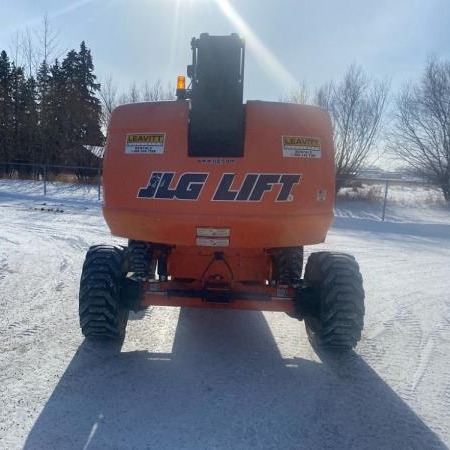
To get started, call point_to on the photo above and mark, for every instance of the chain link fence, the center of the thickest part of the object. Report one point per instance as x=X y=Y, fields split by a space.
x=384 y=194
x=46 y=173
x=374 y=193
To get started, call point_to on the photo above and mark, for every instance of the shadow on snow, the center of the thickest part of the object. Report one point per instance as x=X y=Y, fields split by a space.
x=225 y=385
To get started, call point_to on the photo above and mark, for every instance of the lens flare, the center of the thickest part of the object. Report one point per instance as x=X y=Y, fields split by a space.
x=269 y=62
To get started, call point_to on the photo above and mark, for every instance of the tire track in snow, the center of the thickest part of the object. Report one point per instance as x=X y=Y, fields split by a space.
x=3 y=267
x=19 y=334
x=424 y=361
x=17 y=329
x=405 y=344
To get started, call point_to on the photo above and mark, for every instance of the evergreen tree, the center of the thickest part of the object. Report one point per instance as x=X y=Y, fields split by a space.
x=92 y=134
x=25 y=123
x=56 y=117
x=17 y=95
x=71 y=121
x=52 y=118
x=30 y=124
x=6 y=103
x=43 y=110
x=75 y=108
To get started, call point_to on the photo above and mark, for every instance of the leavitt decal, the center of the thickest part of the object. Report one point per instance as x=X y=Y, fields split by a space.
x=301 y=147
x=137 y=143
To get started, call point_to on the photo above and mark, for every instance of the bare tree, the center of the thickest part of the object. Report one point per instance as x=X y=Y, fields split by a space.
x=146 y=93
x=156 y=92
x=108 y=98
x=15 y=48
x=152 y=94
x=421 y=135
x=135 y=94
x=31 y=47
x=356 y=107
x=300 y=95
x=48 y=42
x=29 y=53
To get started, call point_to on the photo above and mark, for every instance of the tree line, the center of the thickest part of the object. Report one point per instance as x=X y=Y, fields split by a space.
x=50 y=116
x=414 y=126
x=51 y=113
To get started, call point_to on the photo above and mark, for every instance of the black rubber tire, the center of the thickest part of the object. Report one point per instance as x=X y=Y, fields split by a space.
x=102 y=316
x=140 y=259
x=338 y=288
x=288 y=264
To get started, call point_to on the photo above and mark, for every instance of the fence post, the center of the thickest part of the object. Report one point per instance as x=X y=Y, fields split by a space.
x=386 y=188
x=45 y=180
x=99 y=182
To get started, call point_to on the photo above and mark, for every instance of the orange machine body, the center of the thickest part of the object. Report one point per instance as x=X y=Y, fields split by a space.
x=280 y=193
x=264 y=220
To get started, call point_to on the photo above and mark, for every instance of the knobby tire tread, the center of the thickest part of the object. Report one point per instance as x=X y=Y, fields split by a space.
x=101 y=313
x=340 y=293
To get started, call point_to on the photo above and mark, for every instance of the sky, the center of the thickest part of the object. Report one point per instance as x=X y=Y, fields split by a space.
x=288 y=42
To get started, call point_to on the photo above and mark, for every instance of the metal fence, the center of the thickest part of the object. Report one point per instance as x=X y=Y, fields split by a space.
x=355 y=188
x=46 y=173
x=387 y=191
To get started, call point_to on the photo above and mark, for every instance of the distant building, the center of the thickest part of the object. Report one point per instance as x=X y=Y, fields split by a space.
x=96 y=150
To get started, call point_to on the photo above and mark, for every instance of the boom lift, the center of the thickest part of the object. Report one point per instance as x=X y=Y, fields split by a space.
x=218 y=199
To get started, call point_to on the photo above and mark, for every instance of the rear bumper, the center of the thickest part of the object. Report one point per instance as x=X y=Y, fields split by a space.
x=245 y=231
x=257 y=298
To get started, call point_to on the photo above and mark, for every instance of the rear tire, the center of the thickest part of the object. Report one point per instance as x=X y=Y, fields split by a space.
x=338 y=288
x=102 y=315
x=288 y=265
x=140 y=257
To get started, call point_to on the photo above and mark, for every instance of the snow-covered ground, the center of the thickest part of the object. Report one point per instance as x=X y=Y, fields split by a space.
x=221 y=379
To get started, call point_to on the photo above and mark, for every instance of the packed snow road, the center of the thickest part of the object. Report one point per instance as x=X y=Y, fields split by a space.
x=218 y=379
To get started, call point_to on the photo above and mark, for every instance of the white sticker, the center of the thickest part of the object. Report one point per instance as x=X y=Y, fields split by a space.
x=213 y=232
x=301 y=147
x=152 y=143
x=212 y=242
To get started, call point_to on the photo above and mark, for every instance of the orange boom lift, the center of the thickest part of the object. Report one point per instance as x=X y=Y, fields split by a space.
x=218 y=199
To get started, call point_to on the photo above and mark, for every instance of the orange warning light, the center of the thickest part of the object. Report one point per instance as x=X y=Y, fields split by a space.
x=181 y=82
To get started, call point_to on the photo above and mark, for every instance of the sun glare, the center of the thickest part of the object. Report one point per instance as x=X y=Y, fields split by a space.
x=269 y=62
x=267 y=59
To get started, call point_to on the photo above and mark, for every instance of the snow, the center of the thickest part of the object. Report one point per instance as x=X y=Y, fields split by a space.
x=221 y=379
